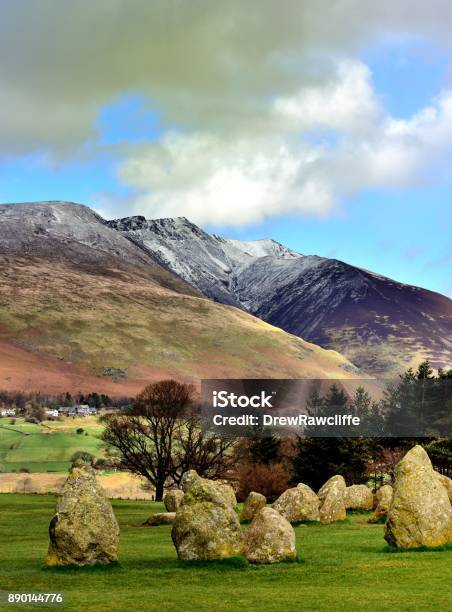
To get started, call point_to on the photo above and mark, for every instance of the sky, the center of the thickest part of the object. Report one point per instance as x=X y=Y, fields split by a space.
x=324 y=124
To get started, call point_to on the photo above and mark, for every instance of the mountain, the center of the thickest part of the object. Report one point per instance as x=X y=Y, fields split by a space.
x=381 y=325
x=83 y=307
x=210 y=263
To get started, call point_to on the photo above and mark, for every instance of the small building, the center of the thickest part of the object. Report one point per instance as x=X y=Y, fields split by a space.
x=82 y=409
x=7 y=412
x=66 y=411
x=77 y=410
x=52 y=412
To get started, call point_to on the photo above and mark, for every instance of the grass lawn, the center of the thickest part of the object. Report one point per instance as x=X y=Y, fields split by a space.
x=344 y=567
x=24 y=445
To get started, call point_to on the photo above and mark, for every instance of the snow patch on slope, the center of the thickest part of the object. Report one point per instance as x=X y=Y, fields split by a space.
x=264 y=248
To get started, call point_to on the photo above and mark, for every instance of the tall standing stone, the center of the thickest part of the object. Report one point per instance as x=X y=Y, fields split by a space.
x=332 y=503
x=298 y=504
x=420 y=512
x=270 y=538
x=84 y=530
x=206 y=526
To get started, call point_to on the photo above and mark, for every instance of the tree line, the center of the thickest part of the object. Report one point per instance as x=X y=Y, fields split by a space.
x=160 y=437
x=22 y=400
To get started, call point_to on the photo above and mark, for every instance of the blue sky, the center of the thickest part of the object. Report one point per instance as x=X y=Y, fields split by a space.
x=351 y=163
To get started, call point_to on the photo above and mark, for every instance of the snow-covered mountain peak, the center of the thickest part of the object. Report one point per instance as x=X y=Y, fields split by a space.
x=264 y=247
x=64 y=230
x=209 y=262
x=168 y=227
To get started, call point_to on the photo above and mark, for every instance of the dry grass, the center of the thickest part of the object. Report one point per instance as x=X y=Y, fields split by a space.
x=59 y=327
x=121 y=485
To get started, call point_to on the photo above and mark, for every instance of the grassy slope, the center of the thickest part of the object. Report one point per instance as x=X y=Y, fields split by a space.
x=344 y=568
x=47 y=447
x=70 y=323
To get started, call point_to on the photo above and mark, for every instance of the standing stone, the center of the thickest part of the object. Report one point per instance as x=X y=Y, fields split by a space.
x=253 y=503
x=161 y=518
x=358 y=497
x=172 y=499
x=188 y=478
x=84 y=530
x=225 y=489
x=206 y=526
x=383 y=498
x=447 y=483
x=298 y=504
x=331 y=496
x=270 y=538
x=335 y=482
x=227 y=492
x=420 y=512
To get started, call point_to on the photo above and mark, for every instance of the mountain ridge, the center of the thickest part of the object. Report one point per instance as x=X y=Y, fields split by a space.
x=380 y=324
x=77 y=298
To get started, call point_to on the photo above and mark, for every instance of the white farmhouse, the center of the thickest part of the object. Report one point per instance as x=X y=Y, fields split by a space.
x=7 y=412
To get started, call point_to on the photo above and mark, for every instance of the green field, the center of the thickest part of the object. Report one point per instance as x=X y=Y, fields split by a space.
x=344 y=567
x=46 y=447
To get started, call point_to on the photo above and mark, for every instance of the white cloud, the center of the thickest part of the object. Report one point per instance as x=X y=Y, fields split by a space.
x=265 y=107
x=233 y=180
x=220 y=180
x=346 y=102
x=203 y=64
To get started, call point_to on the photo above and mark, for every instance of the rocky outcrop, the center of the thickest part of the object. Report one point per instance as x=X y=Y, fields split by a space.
x=298 y=504
x=358 y=497
x=253 y=503
x=206 y=526
x=383 y=498
x=84 y=530
x=270 y=538
x=172 y=499
x=161 y=518
x=332 y=504
x=420 y=513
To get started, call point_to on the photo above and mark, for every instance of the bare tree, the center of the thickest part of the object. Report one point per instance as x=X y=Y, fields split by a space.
x=211 y=456
x=161 y=437
x=145 y=437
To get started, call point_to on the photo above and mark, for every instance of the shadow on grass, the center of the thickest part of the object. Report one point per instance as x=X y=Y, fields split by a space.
x=319 y=524
x=394 y=549
x=235 y=563
x=381 y=520
x=220 y=564
x=297 y=559
x=87 y=569
x=304 y=523
x=231 y=564
x=163 y=563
